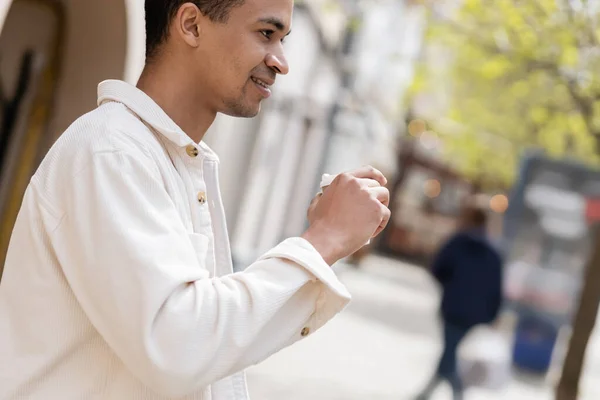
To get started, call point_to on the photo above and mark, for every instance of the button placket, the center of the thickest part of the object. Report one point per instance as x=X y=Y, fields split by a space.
x=197 y=190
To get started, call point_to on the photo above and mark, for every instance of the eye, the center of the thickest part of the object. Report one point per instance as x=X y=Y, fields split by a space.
x=267 y=33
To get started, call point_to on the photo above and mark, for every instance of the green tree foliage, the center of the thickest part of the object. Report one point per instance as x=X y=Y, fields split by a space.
x=515 y=74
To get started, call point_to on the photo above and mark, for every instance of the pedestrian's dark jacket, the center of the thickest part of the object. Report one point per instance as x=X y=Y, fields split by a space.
x=469 y=269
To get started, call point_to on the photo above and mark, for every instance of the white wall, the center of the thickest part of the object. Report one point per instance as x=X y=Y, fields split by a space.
x=386 y=50
x=94 y=50
x=302 y=49
x=136 y=40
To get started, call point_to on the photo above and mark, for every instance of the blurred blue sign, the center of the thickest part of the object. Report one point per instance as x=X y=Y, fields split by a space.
x=547 y=236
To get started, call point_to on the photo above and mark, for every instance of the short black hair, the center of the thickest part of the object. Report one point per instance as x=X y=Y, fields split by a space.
x=160 y=13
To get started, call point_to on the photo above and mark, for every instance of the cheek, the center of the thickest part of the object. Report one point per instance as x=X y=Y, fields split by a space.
x=225 y=75
x=248 y=55
x=238 y=73
x=243 y=56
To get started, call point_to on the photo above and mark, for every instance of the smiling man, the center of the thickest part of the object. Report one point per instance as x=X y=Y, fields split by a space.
x=118 y=282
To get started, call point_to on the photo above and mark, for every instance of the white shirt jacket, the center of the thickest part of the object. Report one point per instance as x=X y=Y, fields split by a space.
x=118 y=282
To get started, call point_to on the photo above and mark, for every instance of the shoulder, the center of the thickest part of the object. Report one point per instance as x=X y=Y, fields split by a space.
x=106 y=131
x=108 y=128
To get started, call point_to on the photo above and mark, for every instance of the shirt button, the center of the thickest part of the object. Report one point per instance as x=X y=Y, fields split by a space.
x=202 y=197
x=305 y=331
x=192 y=151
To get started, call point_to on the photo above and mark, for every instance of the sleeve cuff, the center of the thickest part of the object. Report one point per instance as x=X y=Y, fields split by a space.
x=301 y=252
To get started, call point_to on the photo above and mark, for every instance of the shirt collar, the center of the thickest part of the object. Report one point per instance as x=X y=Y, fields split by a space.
x=147 y=109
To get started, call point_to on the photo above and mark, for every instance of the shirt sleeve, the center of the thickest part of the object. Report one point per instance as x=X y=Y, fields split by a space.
x=134 y=270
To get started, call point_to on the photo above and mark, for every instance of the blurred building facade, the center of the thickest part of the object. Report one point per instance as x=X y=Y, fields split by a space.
x=337 y=109
x=429 y=191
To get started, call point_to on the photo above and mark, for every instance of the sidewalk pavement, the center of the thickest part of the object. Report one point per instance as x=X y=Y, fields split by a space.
x=383 y=347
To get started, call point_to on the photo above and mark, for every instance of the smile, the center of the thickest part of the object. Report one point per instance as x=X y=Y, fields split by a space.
x=259 y=82
x=262 y=86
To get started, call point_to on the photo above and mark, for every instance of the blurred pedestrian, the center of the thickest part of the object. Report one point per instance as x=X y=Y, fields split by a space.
x=469 y=270
x=118 y=282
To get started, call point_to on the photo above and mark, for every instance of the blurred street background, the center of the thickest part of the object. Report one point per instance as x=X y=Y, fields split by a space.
x=459 y=102
x=385 y=346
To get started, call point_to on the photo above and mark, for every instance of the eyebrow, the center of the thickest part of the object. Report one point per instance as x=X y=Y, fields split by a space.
x=276 y=22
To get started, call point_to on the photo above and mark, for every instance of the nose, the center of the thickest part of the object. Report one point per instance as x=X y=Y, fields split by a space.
x=278 y=63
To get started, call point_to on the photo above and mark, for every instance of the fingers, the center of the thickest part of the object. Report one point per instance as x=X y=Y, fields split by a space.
x=373 y=186
x=362 y=182
x=381 y=194
x=371 y=183
x=386 y=215
x=369 y=172
x=314 y=201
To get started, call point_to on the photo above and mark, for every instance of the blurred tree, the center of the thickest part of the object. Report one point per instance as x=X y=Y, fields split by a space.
x=513 y=74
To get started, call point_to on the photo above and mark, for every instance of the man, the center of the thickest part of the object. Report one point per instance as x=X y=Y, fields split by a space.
x=118 y=282
x=469 y=270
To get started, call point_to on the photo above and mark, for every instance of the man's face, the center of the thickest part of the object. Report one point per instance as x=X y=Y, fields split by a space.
x=239 y=59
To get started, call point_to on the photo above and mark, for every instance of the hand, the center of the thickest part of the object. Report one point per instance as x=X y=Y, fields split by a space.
x=352 y=210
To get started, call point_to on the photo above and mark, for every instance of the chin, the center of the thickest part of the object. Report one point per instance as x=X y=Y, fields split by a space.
x=243 y=111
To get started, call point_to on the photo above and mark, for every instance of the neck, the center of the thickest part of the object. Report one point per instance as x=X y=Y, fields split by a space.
x=177 y=99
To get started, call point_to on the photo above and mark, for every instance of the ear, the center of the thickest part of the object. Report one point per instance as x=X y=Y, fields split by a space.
x=187 y=24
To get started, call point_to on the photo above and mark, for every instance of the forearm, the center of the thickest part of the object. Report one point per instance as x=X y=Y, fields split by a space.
x=179 y=332
x=223 y=325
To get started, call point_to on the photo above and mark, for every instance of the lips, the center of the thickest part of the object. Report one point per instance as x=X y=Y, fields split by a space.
x=263 y=86
x=261 y=82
